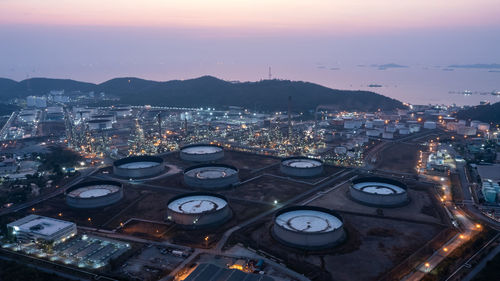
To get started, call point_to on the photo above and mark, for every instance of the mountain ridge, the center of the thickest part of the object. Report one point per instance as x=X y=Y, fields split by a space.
x=210 y=91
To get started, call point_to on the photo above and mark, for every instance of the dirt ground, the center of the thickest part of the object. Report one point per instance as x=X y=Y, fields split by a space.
x=373 y=246
x=399 y=157
x=420 y=208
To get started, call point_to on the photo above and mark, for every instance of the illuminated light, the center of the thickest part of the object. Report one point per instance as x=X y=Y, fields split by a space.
x=445 y=249
x=33 y=209
x=427 y=264
x=478 y=226
x=206 y=238
x=60 y=214
x=89 y=219
x=461 y=236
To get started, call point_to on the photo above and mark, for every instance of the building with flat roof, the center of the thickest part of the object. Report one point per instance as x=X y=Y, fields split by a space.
x=212 y=272
x=35 y=228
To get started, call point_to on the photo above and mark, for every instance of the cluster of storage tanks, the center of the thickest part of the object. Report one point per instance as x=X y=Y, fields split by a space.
x=303 y=227
x=461 y=127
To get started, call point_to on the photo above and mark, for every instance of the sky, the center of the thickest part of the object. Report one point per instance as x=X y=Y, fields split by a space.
x=331 y=42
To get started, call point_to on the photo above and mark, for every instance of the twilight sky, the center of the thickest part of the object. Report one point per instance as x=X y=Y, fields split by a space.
x=331 y=42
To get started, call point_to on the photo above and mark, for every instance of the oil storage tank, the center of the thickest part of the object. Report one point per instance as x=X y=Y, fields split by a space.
x=138 y=166
x=201 y=153
x=211 y=176
x=198 y=210
x=94 y=194
x=308 y=227
x=301 y=166
x=378 y=192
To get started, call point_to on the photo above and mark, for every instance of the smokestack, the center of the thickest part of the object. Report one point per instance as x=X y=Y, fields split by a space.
x=289 y=117
x=159 y=124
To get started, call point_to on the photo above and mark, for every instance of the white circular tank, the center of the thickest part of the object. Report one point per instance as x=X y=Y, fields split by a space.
x=308 y=227
x=379 y=192
x=201 y=153
x=198 y=210
x=301 y=166
x=138 y=166
x=211 y=176
x=94 y=194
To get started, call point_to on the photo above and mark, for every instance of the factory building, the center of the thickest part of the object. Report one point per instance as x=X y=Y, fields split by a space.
x=100 y=124
x=111 y=117
x=201 y=153
x=138 y=166
x=198 y=210
x=301 y=166
x=34 y=228
x=308 y=227
x=379 y=192
x=211 y=176
x=94 y=194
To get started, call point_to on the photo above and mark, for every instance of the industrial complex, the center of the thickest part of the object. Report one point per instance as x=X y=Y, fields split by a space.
x=34 y=228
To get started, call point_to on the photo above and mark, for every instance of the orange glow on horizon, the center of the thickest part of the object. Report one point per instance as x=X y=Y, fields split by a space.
x=258 y=15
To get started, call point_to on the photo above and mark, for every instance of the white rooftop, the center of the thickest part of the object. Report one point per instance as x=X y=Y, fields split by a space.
x=308 y=221
x=139 y=165
x=379 y=188
x=202 y=149
x=40 y=225
x=302 y=163
x=197 y=204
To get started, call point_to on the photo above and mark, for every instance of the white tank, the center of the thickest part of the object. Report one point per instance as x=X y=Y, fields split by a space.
x=474 y=123
x=483 y=126
x=378 y=122
x=340 y=150
x=429 y=125
x=404 y=131
x=372 y=133
x=388 y=135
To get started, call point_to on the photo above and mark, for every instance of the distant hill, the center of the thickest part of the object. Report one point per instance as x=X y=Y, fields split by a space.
x=487 y=113
x=210 y=91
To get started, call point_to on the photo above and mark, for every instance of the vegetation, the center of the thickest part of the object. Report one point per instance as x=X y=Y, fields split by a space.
x=57 y=159
x=13 y=271
x=490 y=272
x=459 y=255
x=489 y=113
x=7 y=109
x=268 y=95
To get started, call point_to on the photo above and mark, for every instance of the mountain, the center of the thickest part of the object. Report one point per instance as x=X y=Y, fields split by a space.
x=208 y=91
x=41 y=86
x=6 y=84
x=487 y=113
